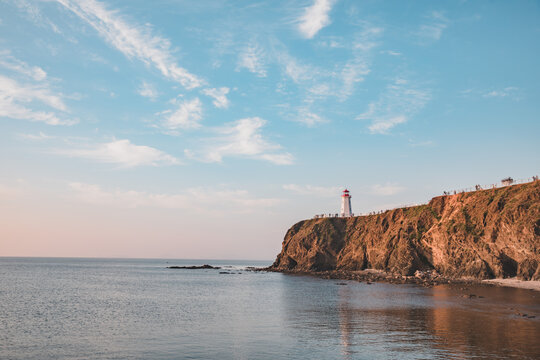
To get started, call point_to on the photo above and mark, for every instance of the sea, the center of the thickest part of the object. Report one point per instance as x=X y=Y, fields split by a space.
x=76 y=308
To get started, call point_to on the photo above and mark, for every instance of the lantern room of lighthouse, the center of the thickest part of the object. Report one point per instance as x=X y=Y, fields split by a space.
x=346 y=204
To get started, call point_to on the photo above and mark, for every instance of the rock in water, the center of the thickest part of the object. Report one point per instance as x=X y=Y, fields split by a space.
x=205 y=266
x=481 y=234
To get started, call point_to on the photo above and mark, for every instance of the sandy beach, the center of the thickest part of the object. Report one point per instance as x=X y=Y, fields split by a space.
x=513 y=282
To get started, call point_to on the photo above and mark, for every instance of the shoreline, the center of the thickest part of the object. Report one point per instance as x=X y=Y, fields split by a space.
x=426 y=279
x=515 y=283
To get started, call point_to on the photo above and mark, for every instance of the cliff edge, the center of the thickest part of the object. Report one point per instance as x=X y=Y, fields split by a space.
x=484 y=234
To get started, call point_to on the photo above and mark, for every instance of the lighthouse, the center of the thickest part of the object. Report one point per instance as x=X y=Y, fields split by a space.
x=346 y=204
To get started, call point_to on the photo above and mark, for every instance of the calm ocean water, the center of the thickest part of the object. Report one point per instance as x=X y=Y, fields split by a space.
x=138 y=309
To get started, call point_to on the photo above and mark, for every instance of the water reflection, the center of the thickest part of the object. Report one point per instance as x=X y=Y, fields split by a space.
x=485 y=326
x=403 y=321
x=138 y=309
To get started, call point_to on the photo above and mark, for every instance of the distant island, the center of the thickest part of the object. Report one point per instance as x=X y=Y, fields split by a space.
x=483 y=234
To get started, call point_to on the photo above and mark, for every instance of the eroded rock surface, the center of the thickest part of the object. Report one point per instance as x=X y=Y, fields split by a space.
x=484 y=234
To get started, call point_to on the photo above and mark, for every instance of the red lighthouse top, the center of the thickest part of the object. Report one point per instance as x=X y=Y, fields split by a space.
x=345 y=193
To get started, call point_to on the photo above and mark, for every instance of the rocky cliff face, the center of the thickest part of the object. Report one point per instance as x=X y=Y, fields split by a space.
x=483 y=234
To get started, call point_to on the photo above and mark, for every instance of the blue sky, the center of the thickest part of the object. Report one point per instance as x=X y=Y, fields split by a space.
x=205 y=129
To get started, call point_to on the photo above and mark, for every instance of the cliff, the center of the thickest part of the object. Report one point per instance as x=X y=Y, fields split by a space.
x=482 y=234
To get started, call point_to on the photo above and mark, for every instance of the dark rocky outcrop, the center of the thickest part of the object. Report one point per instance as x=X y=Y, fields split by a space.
x=194 y=267
x=482 y=234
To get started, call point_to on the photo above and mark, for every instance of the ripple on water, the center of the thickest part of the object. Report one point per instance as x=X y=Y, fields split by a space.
x=138 y=309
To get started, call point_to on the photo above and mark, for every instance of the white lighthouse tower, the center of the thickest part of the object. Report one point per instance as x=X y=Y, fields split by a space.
x=346 y=204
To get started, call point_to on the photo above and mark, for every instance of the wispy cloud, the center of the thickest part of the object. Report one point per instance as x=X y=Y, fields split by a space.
x=312 y=190
x=308 y=118
x=296 y=70
x=39 y=136
x=433 y=29
x=147 y=90
x=187 y=116
x=511 y=92
x=198 y=199
x=12 y=89
x=252 y=59
x=318 y=83
x=352 y=73
x=395 y=106
x=13 y=190
x=359 y=66
x=386 y=189
x=242 y=138
x=315 y=17
x=366 y=40
x=19 y=101
x=219 y=95
x=34 y=14
x=132 y=40
x=425 y=143
x=332 y=42
x=391 y=52
x=123 y=153
x=9 y=62
x=382 y=125
x=507 y=91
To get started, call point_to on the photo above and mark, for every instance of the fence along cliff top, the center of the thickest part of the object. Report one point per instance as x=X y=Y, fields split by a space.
x=345 y=197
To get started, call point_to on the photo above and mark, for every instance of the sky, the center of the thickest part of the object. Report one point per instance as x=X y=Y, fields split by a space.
x=205 y=129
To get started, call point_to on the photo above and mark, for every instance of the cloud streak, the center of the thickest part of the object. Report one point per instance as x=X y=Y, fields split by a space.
x=123 y=153
x=219 y=95
x=315 y=18
x=395 y=106
x=308 y=118
x=187 y=116
x=147 y=90
x=356 y=69
x=318 y=84
x=507 y=91
x=197 y=199
x=37 y=137
x=9 y=62
x=132 y=40
x=386 y=189
x=297 y=71
x=251 y=58
x=19 y=101
x=242 y=138
x=312 y=190
x=9 y=190
x=432 y=31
